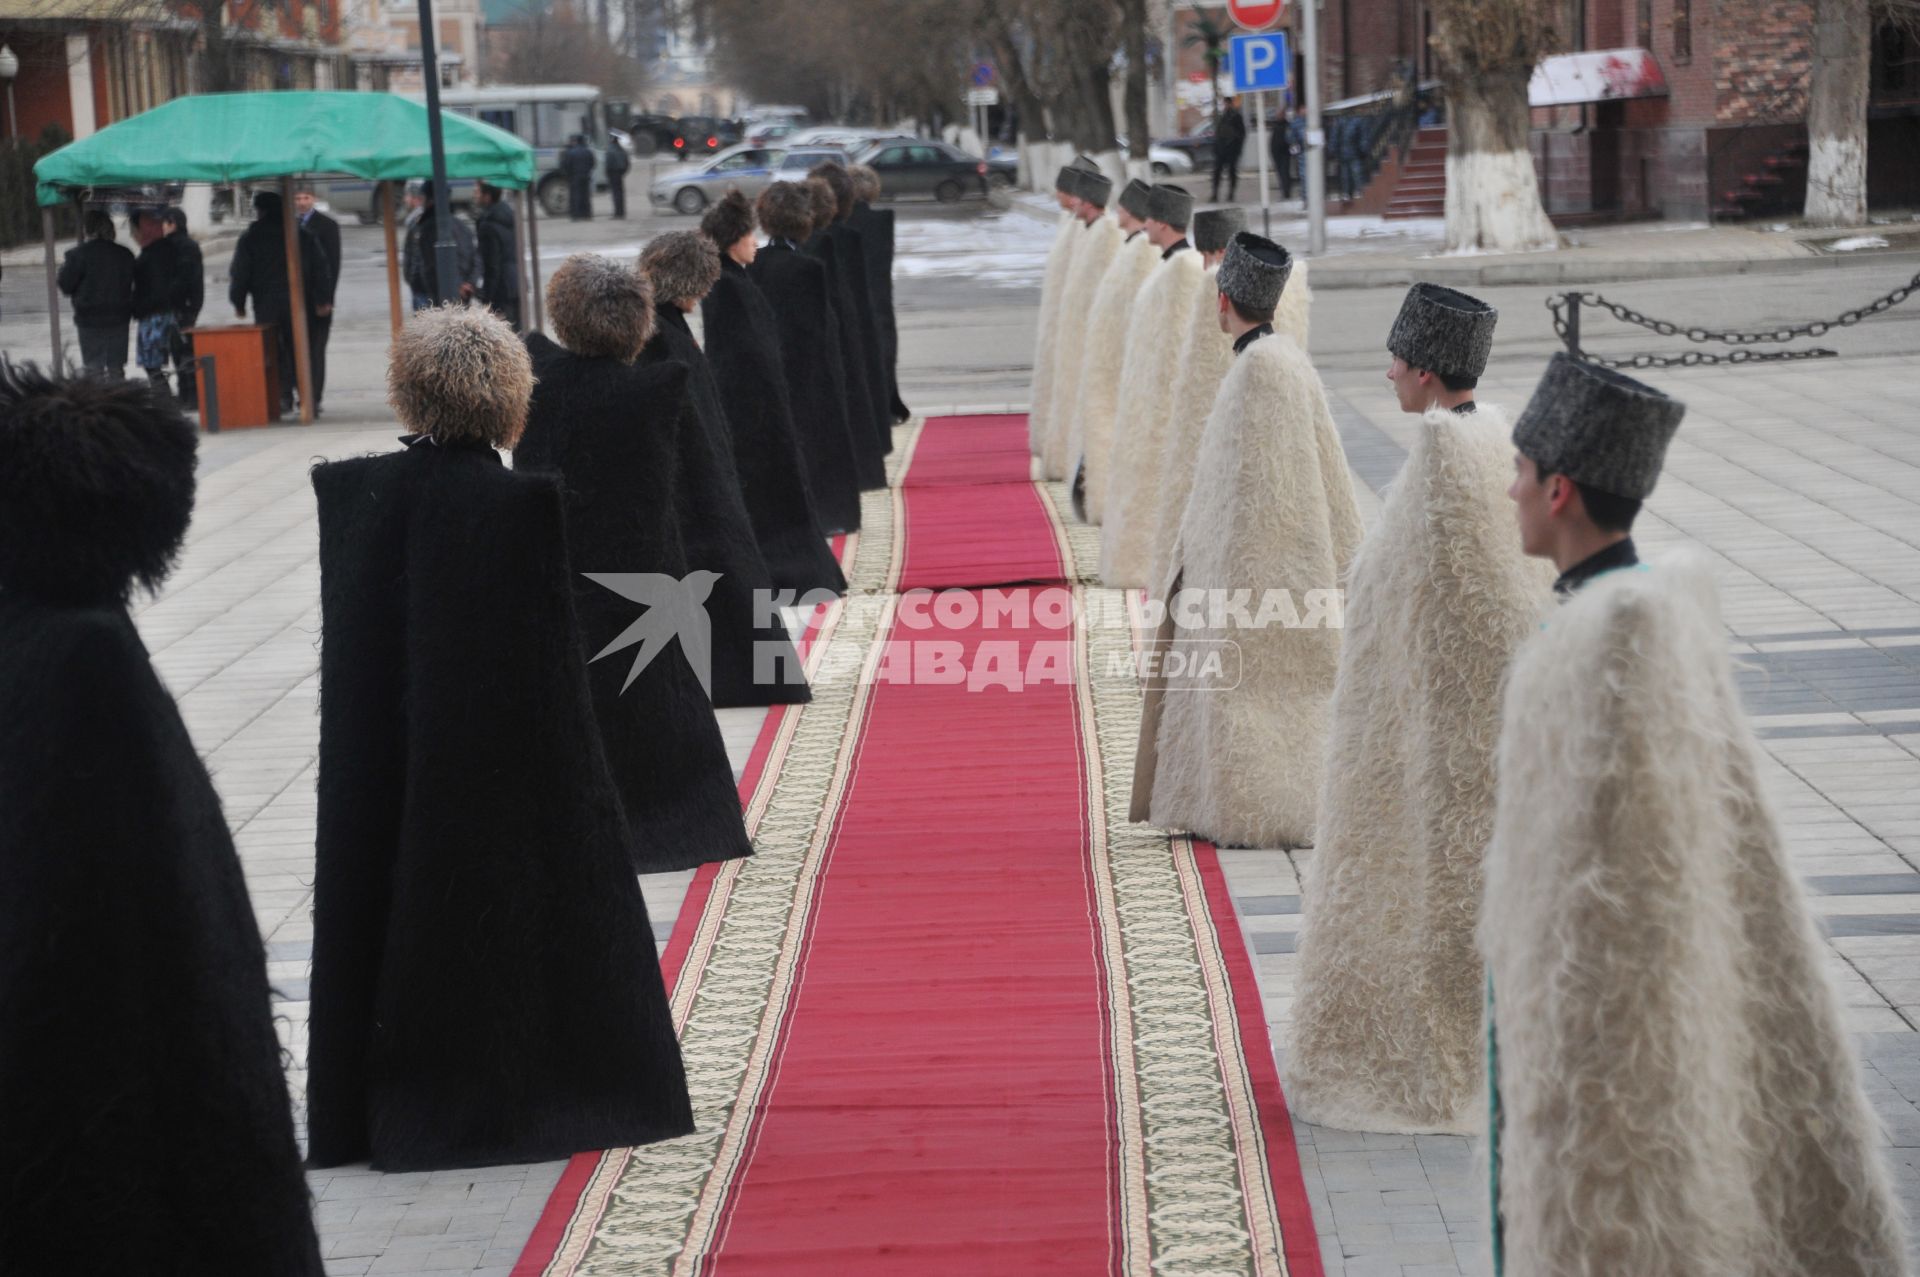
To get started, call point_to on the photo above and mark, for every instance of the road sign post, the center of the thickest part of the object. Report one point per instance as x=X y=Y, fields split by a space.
x=1313 y=158
x=1258 y=64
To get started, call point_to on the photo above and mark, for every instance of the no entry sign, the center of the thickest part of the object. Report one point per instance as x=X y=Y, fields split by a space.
x=1256 y=15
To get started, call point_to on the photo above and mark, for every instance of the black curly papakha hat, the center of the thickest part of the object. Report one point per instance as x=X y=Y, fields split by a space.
x=729 y=221
x=1170 y=204
x=96 y=485
x=1598 y=427
x=1443 y=330
x=1254 y=272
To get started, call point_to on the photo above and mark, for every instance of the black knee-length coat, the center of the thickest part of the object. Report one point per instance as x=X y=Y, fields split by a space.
x=742 y=378
x=876 y=234
x=795 y=285
x=826 y=249
x=753 y=658
x=143 y=1112
x=853 y=253
x=485 y=988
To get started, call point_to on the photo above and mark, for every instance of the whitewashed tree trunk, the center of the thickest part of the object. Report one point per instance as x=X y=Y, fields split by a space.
x=1493 y=195
x=1837 y=113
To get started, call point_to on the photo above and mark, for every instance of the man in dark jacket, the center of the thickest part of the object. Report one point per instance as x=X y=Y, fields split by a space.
x=617 y=166
x=1229 y=136
x=188 y=294
x=576 y=165
x=153 y=276
x=499 y=253
x=423 y=270
x=327 y=232
x=98 y=275
x=259 y=271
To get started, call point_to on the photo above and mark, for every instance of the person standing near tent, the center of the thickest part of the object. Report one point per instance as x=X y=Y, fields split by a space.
x=259 y=272
x=1229 y=138
x=156 y=337
x=98 y=275
x=423 y=265
x=617 y=166
x=499 y=253
x=576 y=164
x=327 y=232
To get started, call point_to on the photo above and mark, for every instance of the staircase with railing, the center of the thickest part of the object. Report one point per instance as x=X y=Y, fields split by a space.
x=1420 y=185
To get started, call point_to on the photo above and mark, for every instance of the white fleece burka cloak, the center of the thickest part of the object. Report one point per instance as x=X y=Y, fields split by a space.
x=1272 y=514
x=1146 y=396
x=1099 y=241
x=1046 y=342
x=1677 y=1093
x=1102 y=363
x=1387 y=1006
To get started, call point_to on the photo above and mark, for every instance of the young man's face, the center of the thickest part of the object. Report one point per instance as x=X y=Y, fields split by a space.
x=1412 y=386
x=303 y=202
x=1066 y=201
x=1128 y=222
x=1091 y=212
x=1536 y=501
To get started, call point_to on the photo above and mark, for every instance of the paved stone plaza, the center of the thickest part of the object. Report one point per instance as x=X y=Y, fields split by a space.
x=1801 y=483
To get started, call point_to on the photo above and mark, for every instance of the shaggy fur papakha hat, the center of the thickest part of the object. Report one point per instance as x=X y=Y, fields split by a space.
x=830 y=172
x=1598 y=427
x=785 y=210
x=96 y=485
x=866 y=182
x=1168 y=203
x=729 y=221
x=1443 y=330
x=1096 y=189
x=1134 y=198
x=1254 y=272
x=599 y=308
x=682 y=265
x=460 y=373
x=826 y=205
x=1214 y=228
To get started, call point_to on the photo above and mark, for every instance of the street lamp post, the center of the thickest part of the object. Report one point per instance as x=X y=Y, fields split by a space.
x=10 y=67
x=446 y=263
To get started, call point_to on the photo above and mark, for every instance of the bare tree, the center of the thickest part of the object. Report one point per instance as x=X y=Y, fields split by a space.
x=1837 y=112
x=1487 y=51
x=556 y=45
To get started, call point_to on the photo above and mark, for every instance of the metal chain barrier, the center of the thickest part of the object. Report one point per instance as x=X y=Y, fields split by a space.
x=1566 y=325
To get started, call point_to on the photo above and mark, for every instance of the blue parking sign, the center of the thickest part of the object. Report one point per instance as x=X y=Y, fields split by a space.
x=1258 y=63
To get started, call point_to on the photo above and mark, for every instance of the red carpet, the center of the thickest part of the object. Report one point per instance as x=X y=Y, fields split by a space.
x=971 y=450
x=955 y=1017
x=972 y=516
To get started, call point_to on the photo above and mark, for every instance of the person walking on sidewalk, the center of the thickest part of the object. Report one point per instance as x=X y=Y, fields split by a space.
x=576 y=163
x=326 y=232
x=617 y=166
x=98 y=275
x=499 y=254
x=1229 y=137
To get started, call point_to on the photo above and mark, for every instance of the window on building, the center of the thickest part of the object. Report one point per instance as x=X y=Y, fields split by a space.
x=1683 y=31
x=1643 y=25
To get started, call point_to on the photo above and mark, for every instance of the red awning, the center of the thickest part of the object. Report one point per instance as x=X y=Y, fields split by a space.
x=1603 y=75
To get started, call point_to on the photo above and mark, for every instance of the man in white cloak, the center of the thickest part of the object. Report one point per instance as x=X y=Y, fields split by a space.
x=1101 y=361
x=1387 y=1007
x=1066 y=186
x=1100 y=238
x=1206 y=352
x=1236 y=714
x=1675 y=1092
x=1146 y=391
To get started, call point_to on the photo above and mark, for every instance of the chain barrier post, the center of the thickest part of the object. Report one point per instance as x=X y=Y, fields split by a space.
x=1573 y=325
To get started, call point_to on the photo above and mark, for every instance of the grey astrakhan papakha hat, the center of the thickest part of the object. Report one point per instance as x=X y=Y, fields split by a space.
x=1085 y=163
x=1169 y=204
x=1134 y=198
x=1066 y=181
x=1443 y=330
x=1095 y=188
x=1214 y=228
x=1254 y=272
x=1598 y=427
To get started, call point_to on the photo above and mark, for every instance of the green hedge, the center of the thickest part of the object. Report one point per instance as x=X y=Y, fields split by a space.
x=19 y=215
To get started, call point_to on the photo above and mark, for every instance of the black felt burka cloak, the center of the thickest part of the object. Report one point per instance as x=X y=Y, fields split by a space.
x=876 y=235
x=850 y=248
x=743 y=379
x=611 y=431
x=825 y=249
x=795 y=285
x=754 y=661
x=144 y=1117
x=485 y=988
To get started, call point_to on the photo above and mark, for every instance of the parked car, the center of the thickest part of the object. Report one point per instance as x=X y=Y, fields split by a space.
x=748 y=169
x=922 y=166
x=844 y=136
x=703 y=135
x=1167 y=161
x=772 y=131
x=1197 y=146
x=650 y=134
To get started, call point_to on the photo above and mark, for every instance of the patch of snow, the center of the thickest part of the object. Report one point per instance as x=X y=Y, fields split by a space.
x=989 y=249
x=1853 y=243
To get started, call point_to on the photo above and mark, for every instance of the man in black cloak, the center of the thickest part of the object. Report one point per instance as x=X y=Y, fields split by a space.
x=485 y=988
x=861 y=404
x=144 y=1123
x=753 y=657
x=795 y=286
x=851 y=249
x=612 y=432
x=744 y=371
x=876 y=231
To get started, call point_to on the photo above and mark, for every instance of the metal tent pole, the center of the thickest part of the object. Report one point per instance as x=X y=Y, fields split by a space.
x=529 y=204
x=53 y=287
x=396 y=315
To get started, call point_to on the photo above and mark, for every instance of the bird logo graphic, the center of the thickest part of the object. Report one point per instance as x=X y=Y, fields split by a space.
x=676 y=608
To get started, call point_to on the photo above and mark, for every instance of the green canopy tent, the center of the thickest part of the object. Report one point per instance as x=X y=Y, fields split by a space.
x=243 y=137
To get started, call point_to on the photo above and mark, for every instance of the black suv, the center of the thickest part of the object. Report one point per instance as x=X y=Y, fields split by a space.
x=703 y=135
